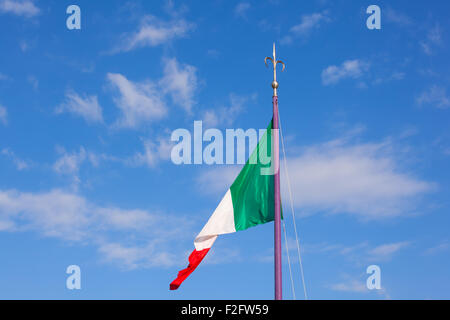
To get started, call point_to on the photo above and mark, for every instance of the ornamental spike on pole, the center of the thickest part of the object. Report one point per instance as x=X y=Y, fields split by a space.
x=276 y=165
x=274 y=63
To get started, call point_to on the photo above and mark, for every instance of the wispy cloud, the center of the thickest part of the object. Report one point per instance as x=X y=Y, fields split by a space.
x=25 y=8
x=180 y=82
x=363 y=179
x=361 y=253
x=154 y=152
x=3 y=76
x=133 y=257
x=55 y=214
x=336 y=248
x=216 y=180
x=3 y=115
x=33 y=81
x=397 y=17
x=395 y=76
x=226 y=115
x=71 y=217
x=241 y=9
x=308 y=23
x=350 y=69
x=147 y=101
x=19 y=163
x=69 y=164
x=433 y=39
x=386 y=251
x=444 y=246
x=138 y=102
x=355 y=286
x=222 y=255
x=154 y=32
x=24 y=45
x=85 y=106
x=435 y=96
x=213 y=53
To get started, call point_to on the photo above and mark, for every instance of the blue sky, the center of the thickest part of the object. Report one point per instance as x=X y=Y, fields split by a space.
x=85 y=123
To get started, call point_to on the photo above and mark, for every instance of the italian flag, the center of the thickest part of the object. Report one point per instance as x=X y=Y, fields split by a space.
x=247 y=203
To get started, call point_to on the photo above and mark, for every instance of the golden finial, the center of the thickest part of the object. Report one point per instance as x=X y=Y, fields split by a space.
x=274 y=62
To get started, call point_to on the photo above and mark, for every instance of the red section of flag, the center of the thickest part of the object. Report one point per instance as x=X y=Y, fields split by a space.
x=194 y=260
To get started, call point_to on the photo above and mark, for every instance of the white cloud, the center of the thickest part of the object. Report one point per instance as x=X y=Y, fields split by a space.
x=435 y=35
x=54 y=214
x=70 y=217
x=357 y=285
x=426 y=47
x=217 y=180
x=19 y=163
x=436 y=96
x=86 y=107
x=397 y=17
x=398 y=76
x=69 y=164
x=3 y=115
x=24 y=45
x=345 y=250
x=180 y=82
x=226 y=115
x=213 y=53
x=395 y=76
x=173 y=11
x=340 y=177
x=384 y=252
x=241 y=9
x=433 y=39
x=146 y=101
x=350 y=286
x=33 y=81
x=139 y=102
x=361 y=253
x=154 y=152
x=117 y=218
x=441 y=247
x=132 y=257
x=127 y=257
x=353 y=69
x=308 y=23
x=211 y=118
x=362 y=179
x=223 y=255
x=25 y=8
x=153 y=32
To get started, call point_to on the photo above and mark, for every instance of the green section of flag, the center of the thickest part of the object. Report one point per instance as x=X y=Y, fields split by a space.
x=252 y=193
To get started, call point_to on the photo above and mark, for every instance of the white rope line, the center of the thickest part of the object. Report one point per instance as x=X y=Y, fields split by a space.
x=289 y=262
x=292 y=208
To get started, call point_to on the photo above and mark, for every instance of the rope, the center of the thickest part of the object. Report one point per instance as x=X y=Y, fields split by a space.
x=289 y=262
x=292 y=210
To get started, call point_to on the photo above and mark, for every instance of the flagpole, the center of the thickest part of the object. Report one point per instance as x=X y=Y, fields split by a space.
x=276 y=165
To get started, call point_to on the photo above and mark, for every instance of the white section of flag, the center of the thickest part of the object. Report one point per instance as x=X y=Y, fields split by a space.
x=221 y=222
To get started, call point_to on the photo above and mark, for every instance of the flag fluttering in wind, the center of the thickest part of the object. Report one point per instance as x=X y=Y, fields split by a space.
x=247 y=203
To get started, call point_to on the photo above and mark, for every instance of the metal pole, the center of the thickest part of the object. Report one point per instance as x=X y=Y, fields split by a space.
x=276 y=165
x=277 y=232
